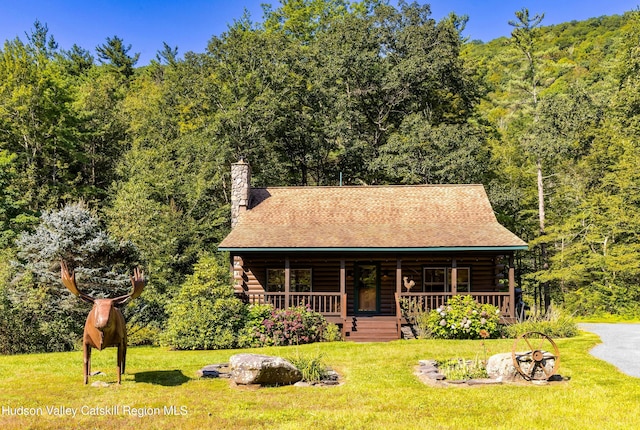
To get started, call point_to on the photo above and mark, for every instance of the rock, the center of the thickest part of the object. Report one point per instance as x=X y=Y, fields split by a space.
x=249 y=369
x=407 y=332
x=203 y=373
x=501 y=365
x=214 y=371
x=428 y=369
x=332 y=375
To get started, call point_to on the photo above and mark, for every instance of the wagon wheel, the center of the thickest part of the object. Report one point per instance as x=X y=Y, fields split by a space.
x=531 y=352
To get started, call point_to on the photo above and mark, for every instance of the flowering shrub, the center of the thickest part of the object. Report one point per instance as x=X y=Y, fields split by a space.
x=293 y=326
x=462 y=318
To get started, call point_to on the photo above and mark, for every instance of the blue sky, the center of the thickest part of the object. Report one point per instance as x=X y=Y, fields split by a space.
x=189 y=24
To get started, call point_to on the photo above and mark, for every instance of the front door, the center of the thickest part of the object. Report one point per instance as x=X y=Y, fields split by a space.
x=367 y=289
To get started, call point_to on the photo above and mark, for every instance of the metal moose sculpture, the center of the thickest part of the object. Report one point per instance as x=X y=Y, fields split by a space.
x=105 y=324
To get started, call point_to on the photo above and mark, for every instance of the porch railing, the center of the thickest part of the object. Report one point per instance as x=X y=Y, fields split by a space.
x=428 y=301
x=328 y=304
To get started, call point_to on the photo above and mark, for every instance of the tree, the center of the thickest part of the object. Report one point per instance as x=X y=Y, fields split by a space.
x=53 y=316
x=74 y=234
x=38 y=123
x=523 y=38
x=115 y=54
x=167 y=55
x=77 y=61
x=42 y=43
x=380 y=67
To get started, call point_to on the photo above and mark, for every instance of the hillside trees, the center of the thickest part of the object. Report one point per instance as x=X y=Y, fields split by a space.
x=597 y=243
x=392 y=73
x=38 y=123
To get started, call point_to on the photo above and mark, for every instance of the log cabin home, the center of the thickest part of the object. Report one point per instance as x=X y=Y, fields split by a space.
x=355 y=253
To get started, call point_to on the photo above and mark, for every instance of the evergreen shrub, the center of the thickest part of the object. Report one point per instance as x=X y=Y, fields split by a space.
x=205 y=314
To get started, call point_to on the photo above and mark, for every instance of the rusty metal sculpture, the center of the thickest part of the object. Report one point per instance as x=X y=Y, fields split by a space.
x=105 y=325
x=535 y=356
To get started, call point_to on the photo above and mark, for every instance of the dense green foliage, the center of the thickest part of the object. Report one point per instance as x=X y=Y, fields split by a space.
x=326 y=89
x=205 y=314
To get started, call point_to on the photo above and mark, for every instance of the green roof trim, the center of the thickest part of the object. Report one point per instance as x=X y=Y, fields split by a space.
x=430 y=249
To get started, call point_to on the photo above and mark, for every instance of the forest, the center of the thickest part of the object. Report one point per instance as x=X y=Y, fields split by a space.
x=111 y=164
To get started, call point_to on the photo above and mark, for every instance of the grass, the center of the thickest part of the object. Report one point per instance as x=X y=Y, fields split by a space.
x=379 y=390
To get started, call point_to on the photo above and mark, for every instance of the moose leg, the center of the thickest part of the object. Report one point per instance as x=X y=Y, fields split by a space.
x=87 y=361
x=120 y=361
x=124 y=355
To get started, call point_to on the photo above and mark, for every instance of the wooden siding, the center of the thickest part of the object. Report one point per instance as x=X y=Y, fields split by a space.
x=486 y=271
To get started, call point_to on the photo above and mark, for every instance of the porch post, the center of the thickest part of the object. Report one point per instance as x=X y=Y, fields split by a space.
x=454 y=277
x=512 y=288
x=343 y=277
x=398 y=293
x=343 y=296
x=287 y=282
x=398 y=276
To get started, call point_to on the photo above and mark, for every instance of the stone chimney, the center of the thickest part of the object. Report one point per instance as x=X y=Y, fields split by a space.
x=240 y=189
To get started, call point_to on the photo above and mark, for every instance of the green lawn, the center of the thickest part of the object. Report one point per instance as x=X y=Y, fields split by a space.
x=379 y=390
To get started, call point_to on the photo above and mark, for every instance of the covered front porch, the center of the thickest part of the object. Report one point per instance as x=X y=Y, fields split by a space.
x=372 y=287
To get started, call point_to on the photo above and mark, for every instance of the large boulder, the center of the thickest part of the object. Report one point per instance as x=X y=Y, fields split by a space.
x=501 y=366
x=263 y=370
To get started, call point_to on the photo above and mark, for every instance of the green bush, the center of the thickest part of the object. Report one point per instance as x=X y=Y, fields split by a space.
x=143 y=335
x=331 y=333
x=554 y=324
x=205 y=314
x=461 y=318
x=254 y=329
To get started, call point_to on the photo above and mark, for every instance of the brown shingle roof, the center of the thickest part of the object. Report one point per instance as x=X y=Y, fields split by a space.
x=421 y=216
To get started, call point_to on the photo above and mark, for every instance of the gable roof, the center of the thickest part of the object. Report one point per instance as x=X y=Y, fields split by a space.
x=420 y=217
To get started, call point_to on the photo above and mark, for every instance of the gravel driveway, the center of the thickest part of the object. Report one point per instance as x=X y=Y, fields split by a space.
x=620 y=345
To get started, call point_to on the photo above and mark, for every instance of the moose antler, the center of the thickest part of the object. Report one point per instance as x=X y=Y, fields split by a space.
x=69 y=281
x=138 y=282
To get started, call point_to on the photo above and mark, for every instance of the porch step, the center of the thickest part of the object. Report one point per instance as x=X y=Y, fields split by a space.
x=372 y=329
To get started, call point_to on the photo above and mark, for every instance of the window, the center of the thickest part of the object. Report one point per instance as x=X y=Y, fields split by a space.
x=438 y=279
x=435 y=279
x=464 y=283
x=275 y=280
x=300 y=280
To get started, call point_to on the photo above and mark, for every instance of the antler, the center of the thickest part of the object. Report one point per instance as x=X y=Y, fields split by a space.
x=69 y=281
x=138 y=282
